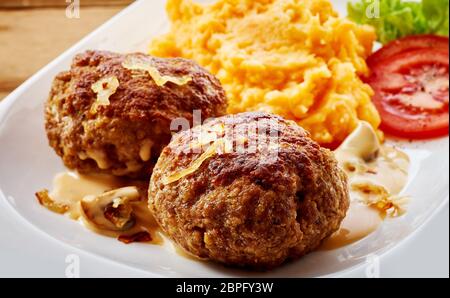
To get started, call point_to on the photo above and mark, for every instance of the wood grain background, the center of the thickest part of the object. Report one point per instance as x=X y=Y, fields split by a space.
x=59 y=3
x=34 y=32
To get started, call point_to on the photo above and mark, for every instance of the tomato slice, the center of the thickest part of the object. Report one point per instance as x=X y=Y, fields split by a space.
x=409 y=43
x=411 y=93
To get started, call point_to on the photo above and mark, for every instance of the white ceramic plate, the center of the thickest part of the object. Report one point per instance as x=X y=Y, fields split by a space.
x=28 y=164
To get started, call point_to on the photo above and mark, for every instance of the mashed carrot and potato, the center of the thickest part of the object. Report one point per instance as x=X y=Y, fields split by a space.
x=295 y=58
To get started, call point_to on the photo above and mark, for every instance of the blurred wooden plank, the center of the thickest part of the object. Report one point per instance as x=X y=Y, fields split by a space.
x=16 y=4
x=9 y=83
x=31 y=38
x=3 y=95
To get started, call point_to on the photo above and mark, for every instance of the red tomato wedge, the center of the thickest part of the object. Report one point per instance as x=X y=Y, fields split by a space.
x=409 y=43
x=411 y=91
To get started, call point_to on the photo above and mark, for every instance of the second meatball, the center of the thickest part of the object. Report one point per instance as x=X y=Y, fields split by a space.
x=249 y=190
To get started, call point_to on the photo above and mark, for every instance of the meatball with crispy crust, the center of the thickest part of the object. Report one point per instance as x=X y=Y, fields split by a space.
x=111 y=113
x=249 y=190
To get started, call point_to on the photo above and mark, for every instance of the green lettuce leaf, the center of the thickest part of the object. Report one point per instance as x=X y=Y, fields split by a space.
x=394 y=19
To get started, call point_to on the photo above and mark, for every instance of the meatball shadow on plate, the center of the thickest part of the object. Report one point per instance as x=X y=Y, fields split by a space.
x=249 y=190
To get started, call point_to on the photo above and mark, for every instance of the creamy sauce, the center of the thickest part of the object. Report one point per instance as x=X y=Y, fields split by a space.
x=377 y=174
x=87 y=196
x=97 y=155
x=69 y=188
x=360 y=221
x=185 y=254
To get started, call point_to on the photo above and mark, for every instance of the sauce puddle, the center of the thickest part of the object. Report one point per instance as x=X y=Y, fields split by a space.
x=185 y=254
x=360 y=221
x=105 y=204
x=376 y=176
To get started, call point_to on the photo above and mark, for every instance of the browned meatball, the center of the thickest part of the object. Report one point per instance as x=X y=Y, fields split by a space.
x=125 y=134
x=259 y=193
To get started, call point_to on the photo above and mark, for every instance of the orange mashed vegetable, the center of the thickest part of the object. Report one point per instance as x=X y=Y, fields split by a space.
x=294 y=58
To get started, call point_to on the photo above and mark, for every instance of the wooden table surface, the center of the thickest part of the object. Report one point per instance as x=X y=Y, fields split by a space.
x=33 y=33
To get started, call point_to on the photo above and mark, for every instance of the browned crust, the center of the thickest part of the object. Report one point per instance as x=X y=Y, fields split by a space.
x=240 y=211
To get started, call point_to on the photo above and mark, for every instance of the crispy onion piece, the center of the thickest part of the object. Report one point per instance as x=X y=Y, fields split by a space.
x=137 y=237
x=378 y=197
x=45 y=200
x=394 y=206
